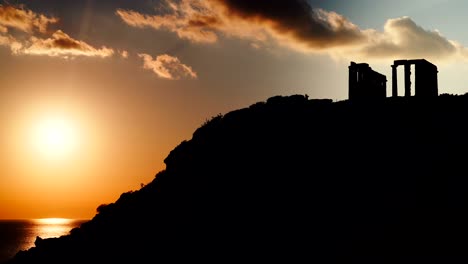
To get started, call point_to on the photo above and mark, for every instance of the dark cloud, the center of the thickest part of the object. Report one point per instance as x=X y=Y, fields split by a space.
x=291 y=22
x=316 y=28
x=297 y=25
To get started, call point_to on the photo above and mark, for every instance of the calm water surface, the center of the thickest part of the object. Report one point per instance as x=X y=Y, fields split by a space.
x=18 y=235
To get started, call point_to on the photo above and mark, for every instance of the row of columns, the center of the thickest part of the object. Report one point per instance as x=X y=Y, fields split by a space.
x=407 y=80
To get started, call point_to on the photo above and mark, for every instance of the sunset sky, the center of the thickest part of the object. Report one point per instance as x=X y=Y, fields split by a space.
x=95 y=94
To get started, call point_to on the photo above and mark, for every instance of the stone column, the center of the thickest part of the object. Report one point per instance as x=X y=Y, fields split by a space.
x=352 y=81
x=407 y=80
x=394 y=81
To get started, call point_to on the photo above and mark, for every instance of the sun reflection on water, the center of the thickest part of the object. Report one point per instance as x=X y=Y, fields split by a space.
x=52 y=227
x=48 y=228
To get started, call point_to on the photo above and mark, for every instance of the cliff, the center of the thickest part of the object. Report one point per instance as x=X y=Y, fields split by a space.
x=293 y=179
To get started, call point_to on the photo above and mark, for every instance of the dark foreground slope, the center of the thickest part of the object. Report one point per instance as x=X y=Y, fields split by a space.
x=295 y=179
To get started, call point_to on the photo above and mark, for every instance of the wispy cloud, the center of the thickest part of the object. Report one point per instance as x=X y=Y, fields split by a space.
x=179 y=22
x=59 y=44
x=23 y=19
x=297 y=25
x=167 y=67
x=62 y=45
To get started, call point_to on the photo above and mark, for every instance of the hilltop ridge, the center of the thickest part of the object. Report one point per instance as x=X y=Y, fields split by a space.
x=293 y=178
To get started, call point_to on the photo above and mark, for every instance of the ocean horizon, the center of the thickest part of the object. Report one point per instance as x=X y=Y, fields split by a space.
x=16 y=235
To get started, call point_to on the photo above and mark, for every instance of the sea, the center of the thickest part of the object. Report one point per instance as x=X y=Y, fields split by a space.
x=16 y=235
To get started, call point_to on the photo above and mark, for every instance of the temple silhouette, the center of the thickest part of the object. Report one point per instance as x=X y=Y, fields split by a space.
x=367 y=84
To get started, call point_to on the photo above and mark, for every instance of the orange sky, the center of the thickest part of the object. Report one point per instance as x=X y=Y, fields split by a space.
x=95 y=94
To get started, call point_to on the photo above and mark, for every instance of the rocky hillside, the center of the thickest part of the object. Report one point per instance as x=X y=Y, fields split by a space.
x=293 y=179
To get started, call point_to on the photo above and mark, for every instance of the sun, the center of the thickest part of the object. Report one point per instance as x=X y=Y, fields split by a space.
x=55 y=137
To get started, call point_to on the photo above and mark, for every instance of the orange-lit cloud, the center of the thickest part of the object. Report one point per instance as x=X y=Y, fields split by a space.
x=167 y=67
x=11 y=42
x=197 y=21
x=59 y=44
x=297 y=25
x=179 y=22
x=124 y=54
x=289 y=22
x=23 y=19
x=62 y=45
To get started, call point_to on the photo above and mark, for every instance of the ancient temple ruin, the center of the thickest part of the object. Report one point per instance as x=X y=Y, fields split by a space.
x=425 y=78
x=365 y=83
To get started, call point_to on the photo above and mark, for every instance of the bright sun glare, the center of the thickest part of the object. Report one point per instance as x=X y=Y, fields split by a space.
x=55 y=137
x=53 y=221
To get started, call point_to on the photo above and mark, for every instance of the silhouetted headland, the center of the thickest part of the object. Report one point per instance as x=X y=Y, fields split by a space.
x=295 y=180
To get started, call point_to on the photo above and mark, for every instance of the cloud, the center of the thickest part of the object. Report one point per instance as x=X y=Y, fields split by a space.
x=167 y=67
x=23 y=19
x=291 y=22
x=62 y=45
x=402 y=37
x=12 y=43
x=59 y=44
x=295 y=22
x=297 y=25
x=124 y=54
x=178 y=22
